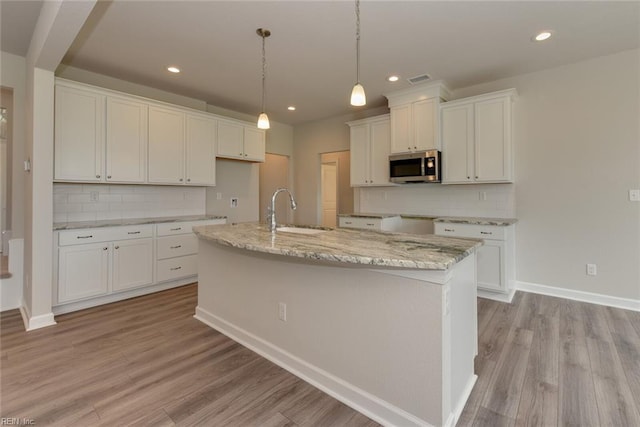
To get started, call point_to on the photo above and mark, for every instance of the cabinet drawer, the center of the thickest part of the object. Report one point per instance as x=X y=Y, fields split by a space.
x=361 y=223
x=104 y=234
x=175 y=268
x=184 y=227
x=488 y=232
x=174 y=246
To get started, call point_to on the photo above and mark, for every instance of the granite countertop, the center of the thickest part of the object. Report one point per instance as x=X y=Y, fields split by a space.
x=424 y=252
x=477 y=221
x=129 y=221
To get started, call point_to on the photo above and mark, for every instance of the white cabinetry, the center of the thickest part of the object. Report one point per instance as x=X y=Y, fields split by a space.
x=95 y=262
x=166 y=145
x=495 y=259
x=241 y=142
x=369 y=223
x=94 y=266
x=200 y=144
x=370 y=151
x=477 y=139
x=415 y=117
x=79 y=134
x=126 y=140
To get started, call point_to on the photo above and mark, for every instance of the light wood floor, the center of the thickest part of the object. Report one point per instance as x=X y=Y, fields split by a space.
x=542 y=361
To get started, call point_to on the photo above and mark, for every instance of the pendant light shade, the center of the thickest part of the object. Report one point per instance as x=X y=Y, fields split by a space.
x=358 y=97
x=263 y=120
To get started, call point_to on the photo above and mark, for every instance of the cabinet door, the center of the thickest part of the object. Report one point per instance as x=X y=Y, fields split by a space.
x=126 y=140
x=457 y=144
x=425 y=125
x=359 y=155
x=166 y=146
x=201 y=150
x=132 y=263
x=379 y=153
x=493 y=140
x=79 y=135
x=401 y=136
x=230 y=140
x=254 y=144
x=491 y=266
x=83 y=271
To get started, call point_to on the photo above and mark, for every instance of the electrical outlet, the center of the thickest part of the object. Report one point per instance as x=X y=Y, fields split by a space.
x=634 y=195
x=282 y=311
x=592 y=269
x=218 y=196
x=234 y=202
x=94 y=195
x=482 y=195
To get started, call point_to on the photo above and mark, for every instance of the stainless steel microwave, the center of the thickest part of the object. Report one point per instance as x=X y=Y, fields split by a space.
x=421 y=166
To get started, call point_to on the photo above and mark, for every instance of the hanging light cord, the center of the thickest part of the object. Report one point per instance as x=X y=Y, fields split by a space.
x=264 y=67
x=357 y=41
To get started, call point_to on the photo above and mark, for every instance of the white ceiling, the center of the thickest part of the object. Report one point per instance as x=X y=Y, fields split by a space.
x=311 y=53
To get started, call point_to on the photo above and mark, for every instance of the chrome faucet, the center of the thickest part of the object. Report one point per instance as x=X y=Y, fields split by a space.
x=271 y=211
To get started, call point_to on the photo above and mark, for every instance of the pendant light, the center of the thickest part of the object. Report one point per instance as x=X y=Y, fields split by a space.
x=358 y=97
x=263 y=120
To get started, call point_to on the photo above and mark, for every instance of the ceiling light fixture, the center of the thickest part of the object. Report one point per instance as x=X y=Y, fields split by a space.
x=393 y=78
x=263 y=120
x=358 y=97
x=542 y=36
x=173 y=69
x=291 y=108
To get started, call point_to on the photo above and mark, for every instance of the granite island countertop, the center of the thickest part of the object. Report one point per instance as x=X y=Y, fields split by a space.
x=130 y=221
x=352 y=246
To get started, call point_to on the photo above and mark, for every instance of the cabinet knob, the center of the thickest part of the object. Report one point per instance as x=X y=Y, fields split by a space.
x=105 y=248
x=108 y=176
x=98 y=176
x=117 y=247
x=468 y=177
x=239 y=154
x=180 y=179
x=188 y=179
x=476 y=176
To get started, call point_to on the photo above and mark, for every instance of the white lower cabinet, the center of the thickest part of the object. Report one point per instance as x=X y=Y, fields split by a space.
x=369 y=223
x=100 y=265
x=495 y=259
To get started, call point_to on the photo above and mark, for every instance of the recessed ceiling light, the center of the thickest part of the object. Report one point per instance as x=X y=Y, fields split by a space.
x=393 y=78
x=542 y=36
x=291 y=108
x=173 y=69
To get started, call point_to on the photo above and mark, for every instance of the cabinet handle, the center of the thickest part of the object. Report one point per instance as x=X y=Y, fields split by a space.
x=348 y=222
x=370 y=225
x=449 y=229
x=97 y=176
x=108 y=176
x=133 y=232
x=176 y=229
x=105 y=248
x=486 y=232
x=175 y=247
x=175 y=268
x=117 y=247
x=85 y=237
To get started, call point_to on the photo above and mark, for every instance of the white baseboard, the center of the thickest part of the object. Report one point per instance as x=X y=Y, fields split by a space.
x=457 y=411
x=373 y=407
x=593 y=298
x=35 y=322
x=497 y=296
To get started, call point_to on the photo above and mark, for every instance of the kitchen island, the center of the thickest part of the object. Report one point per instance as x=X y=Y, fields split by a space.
x=384 y=322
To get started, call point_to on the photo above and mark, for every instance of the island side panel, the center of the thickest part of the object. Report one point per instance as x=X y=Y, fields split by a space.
x=378 y=335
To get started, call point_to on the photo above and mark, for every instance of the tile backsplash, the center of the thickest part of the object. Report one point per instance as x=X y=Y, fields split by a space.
x=90 y=202
x=477 y=200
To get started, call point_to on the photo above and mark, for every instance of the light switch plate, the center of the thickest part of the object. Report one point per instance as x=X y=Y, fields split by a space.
x=634 y=195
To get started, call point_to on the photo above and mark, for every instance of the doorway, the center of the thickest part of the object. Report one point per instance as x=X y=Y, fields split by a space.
x=6 y=106
x=336 y=194
x=329 y=191
x=274 y=174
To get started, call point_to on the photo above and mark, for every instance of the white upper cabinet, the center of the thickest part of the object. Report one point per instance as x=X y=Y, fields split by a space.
x=370 y=142
x=415 y=117
x=166 y=145
x=200 y=150
x=477 y=144
x=79 y=135
x=241 y=142
x=126 y=140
